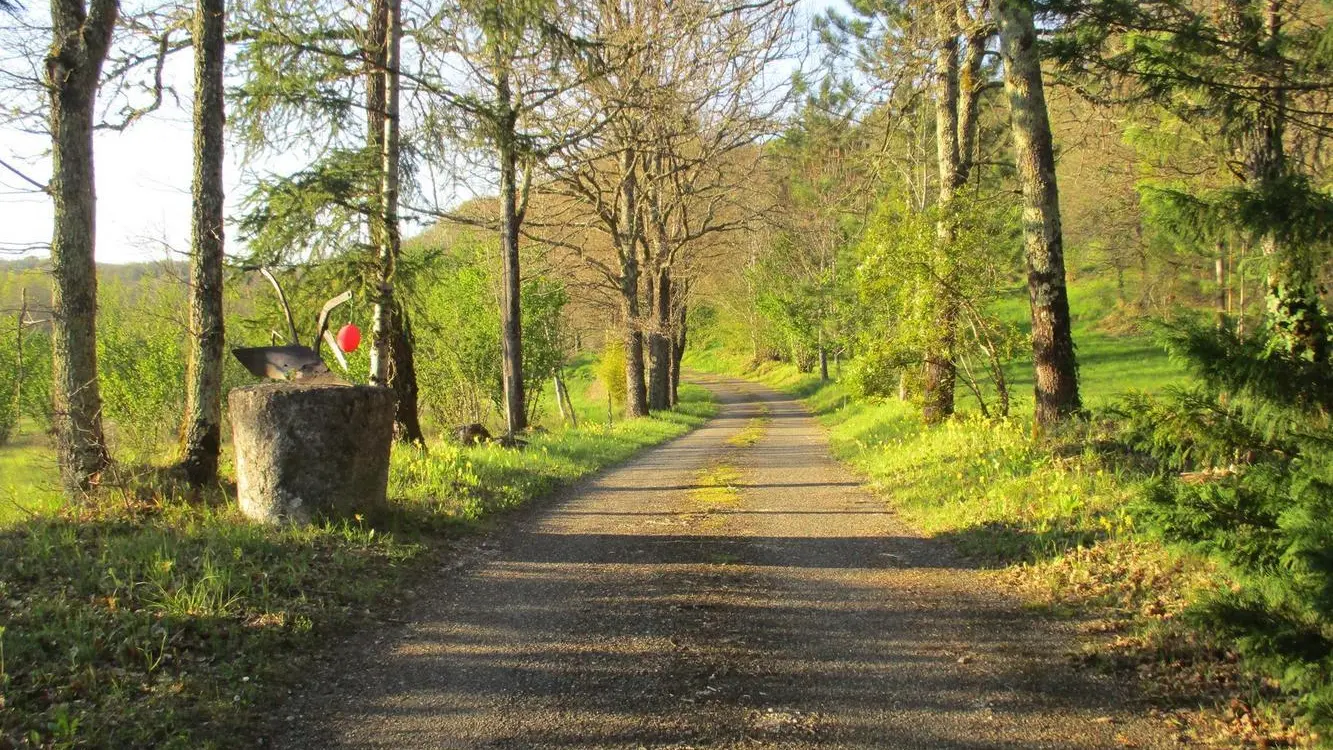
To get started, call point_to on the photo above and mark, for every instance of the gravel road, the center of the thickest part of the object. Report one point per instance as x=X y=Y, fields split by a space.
x=791 y=610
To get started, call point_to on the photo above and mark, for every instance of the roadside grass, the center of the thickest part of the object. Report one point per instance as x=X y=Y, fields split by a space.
x=586 y=392
x=146 y=619
x=28 y=486
x=1053 y=519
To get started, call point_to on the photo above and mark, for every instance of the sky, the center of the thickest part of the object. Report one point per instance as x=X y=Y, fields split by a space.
x=143 y=179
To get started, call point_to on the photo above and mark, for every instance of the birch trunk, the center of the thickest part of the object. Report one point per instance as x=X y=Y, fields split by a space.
x=382 y=329
x=1053 y=357
x=202 y=434
x=402 y=357
x=80 y=39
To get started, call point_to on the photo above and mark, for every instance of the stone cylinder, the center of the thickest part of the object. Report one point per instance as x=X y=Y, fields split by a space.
x=305 y=451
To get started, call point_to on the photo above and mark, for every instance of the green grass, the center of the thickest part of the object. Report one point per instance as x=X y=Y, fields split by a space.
x=149 y=620
x=986 y=484
x=1113 y=358
x=28 y=483
x=586 y=391
x=1111 y=361
x=1053 y=517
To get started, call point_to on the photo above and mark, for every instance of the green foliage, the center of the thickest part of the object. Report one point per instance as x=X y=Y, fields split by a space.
x=141 y=362
x=457 y=327
x=458 y=347
x=909 y=281
x=316 y=213
x=1256 y=431
x=35 y=403
x=803 y=282
x=611 y=371
x=543 y=302
x=9 y=385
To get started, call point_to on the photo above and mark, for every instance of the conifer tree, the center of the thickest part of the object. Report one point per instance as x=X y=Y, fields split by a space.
x=1253 y=77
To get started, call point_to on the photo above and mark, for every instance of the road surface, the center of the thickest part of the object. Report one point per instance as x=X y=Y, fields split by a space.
x=735 y=588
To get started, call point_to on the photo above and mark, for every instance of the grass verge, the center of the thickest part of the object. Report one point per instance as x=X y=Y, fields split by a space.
x=151 y=621
x=1052 y=519
x=27 y=476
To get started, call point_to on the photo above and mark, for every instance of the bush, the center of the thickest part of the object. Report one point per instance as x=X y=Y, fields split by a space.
x=457 y=323
x=141 y=335
x=1255 y=443
x=904 y=275
x=9 y=406
x=611 y=371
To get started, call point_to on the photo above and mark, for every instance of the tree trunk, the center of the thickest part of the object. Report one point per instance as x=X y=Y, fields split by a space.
x=678 y=342
x=955 y=123
x=382 y=330
x=1240 y=302
x=403 y=377
x=402 y=356
x=636 y=389
x=79 y=45
x=627 y=247
x=562 y=400
x=823 y=359
x=1295 y=314
x=1220 y=277
x=511 y=310
x=203 y=393
x=659 y=345
x=1052 y=338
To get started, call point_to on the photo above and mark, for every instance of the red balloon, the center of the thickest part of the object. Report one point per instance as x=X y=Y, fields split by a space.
x=349 y=338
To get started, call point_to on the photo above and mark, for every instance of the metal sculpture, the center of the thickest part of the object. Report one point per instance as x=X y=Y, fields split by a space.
x=294 y=361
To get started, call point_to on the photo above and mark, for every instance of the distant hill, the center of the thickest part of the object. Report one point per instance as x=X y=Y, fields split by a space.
x=32 y=273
